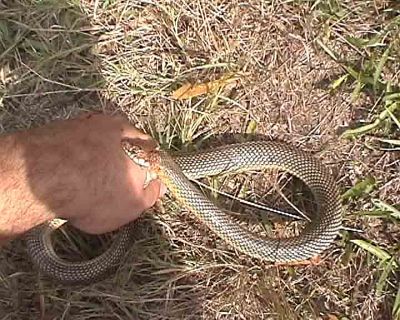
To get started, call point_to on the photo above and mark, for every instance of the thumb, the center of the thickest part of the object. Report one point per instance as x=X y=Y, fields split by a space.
x=152 y=192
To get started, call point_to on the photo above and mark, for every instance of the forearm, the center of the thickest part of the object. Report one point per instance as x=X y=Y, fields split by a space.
x=75 y=170
x=19 y=209
x=46 y=172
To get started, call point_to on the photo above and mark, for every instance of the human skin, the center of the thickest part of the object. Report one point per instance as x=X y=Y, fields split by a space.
x=75 y=170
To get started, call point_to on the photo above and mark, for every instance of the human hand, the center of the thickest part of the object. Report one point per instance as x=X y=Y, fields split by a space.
x=78 y=169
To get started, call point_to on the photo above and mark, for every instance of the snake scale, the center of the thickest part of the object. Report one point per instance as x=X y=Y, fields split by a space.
x=176 y=171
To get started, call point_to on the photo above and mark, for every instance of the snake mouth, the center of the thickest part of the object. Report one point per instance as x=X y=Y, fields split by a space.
x=145 y=159
x=141 y=162
x=140 y=156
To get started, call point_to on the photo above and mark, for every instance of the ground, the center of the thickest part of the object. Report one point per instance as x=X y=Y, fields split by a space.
x=321 y=75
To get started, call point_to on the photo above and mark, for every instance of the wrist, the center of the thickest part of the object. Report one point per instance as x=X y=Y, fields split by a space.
x=19 y=211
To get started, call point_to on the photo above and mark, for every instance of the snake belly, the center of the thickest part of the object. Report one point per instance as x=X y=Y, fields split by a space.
x=177 y=171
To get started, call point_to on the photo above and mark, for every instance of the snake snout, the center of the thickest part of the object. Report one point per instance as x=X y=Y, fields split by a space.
x=136 y=153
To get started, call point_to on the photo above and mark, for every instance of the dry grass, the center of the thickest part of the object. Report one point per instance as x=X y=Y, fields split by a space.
x=58 y=58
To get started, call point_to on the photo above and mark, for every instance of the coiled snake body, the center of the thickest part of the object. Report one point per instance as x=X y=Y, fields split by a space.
x=175 y=172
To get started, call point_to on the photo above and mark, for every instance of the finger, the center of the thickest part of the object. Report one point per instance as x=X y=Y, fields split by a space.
x=151 y=193
x=138 y=137
x=130 y=131
x=87 y=115
x=146 y=144
x=163 y=189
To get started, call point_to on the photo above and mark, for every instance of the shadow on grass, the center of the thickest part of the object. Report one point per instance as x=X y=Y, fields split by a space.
x=150 y=282
x=48 y=71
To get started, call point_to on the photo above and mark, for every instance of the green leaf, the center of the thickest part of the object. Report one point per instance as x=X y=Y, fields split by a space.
x=357 y=90
x=327 y=50
x=365 y=43
x=35 y=46
x=395 y=213
x=337 y=83
x=352 y=72
x=5 y=32
x=373 y=213
x=396 y=305
x=379 y=68
x=381 y=284
x=353 y=133
x=251 y=127
x=389 y=141
x=394 y=118
x=392 y=97
x=360 y=76
x=388 y=110
x=357 y=42
x=375 y=41
x=360 y=188
x=373 y=249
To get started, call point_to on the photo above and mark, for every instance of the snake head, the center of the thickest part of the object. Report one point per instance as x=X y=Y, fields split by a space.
x=138 y=154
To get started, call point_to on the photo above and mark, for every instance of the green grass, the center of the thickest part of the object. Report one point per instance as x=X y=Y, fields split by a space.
x=374 y=73
x=322 y=75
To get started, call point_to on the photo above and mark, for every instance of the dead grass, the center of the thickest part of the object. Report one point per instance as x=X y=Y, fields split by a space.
x=58 y=58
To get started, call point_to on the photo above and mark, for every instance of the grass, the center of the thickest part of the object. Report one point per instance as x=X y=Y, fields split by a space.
x=372 y=74
x=322 y=75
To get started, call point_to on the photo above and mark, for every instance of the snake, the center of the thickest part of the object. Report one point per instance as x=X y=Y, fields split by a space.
x=177 y=172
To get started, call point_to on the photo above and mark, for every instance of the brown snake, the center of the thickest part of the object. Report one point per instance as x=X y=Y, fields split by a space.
x=175 y=172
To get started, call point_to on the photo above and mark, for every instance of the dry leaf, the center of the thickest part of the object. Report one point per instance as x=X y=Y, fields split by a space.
x=188 y=90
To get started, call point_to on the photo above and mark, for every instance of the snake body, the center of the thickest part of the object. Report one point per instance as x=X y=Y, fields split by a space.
x=177 y=171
